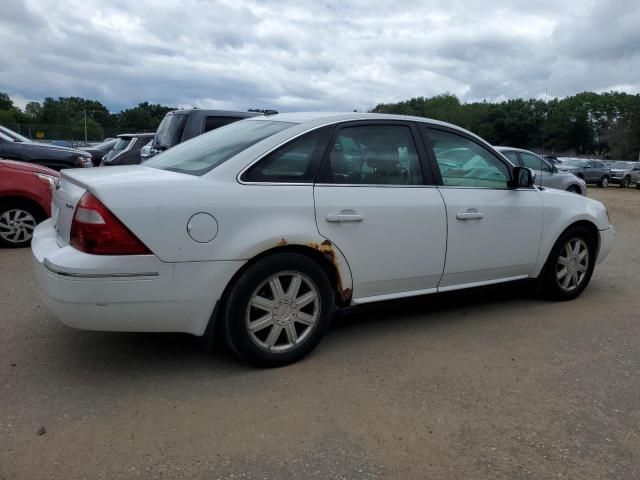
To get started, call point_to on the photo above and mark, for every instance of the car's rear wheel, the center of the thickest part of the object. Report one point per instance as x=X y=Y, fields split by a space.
x=17 y=222
x=570 y=264
x=625 y=183
x=604 y=182
x=278 y=310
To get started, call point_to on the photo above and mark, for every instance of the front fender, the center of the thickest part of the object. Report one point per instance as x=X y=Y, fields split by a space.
x=561 y=210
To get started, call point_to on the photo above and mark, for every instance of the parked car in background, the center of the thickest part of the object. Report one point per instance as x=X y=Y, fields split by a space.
x=14 y=146
x=625 y=173
x=267 y=225
x=126 y=150
x=591 y=171
x=145 y=152
x=181 y=125
x=25 y=200
x=547 y=175
x=99 y=151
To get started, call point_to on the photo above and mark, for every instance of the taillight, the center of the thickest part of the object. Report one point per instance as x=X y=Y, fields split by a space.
x=96 y=230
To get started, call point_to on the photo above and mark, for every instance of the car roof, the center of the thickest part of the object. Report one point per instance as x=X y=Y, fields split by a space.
x=315 y=119
x=216 y=113
x=514 y=149
x=136 y=135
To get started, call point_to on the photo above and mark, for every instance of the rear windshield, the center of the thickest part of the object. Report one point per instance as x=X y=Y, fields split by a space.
x=205 y=152
x=121 y=144
x=170 y=131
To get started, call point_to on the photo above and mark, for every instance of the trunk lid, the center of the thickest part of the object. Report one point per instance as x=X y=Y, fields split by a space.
x=75 y=182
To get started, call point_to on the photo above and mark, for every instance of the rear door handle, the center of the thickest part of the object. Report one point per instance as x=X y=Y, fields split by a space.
x=344 y=217
x=470 y=215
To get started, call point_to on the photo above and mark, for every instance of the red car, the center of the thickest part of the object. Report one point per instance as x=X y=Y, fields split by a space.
x=25 y=200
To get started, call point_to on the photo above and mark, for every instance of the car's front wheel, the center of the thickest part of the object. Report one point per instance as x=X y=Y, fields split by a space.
x=278 y=310
x=604 y=182
x=626 y=181
x=574 y=189
x=570 y=264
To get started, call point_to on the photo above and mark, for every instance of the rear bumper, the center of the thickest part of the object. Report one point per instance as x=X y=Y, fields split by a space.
x=606 y=243
x=136 y=293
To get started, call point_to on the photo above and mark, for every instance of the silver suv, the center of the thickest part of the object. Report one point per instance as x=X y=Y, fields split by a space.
x=625 y=173
x=547 y=174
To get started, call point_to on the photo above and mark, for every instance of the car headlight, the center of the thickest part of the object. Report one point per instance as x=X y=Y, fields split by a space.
x=49 y=180
x=84 y=161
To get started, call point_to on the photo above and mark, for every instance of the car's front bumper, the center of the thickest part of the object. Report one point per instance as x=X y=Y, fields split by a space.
x=606 y=243
x=137 y=293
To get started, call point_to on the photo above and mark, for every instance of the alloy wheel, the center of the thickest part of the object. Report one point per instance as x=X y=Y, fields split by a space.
x=572 y=265
x=605 y=182
x=17 y=225
x=283 y=311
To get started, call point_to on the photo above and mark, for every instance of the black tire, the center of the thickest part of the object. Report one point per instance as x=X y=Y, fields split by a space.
x=638 y=185
x=236 y=312
x=31 y=215
x=625 y=183
x=574 y=189
x=604 y=182
x=551 y=287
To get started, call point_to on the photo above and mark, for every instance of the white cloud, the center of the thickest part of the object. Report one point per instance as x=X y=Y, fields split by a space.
x=301 y=55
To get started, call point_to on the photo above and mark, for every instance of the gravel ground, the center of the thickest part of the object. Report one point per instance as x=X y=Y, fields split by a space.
x=487 y=384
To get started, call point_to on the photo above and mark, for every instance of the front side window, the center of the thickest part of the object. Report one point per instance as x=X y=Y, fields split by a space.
x=464 y=163
x=373 y=155
x=296 y=162
x=205 y=152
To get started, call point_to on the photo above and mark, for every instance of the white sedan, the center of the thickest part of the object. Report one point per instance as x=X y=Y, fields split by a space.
x=260 y=229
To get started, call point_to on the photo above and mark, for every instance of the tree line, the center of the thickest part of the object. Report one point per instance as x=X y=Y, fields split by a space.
x=606 y=125
x=601 y=124
x=64 y=118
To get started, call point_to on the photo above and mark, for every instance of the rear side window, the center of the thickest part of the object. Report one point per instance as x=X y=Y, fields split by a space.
x=296 y=162
x=211 y=123
x=121 y=144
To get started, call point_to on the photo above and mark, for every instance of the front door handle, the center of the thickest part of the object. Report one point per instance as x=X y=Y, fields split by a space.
x=470 y=215
x=344 y=217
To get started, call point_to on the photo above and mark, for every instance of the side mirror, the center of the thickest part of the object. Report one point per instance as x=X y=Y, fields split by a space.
x=587 y=166
x=523 y=177
x=554 y=169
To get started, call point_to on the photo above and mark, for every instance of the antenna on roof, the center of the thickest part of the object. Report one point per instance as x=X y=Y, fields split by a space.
x=544 y=120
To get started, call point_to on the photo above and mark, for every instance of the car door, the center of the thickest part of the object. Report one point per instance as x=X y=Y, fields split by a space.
x=377 y=204
x=591 y=174
x=494 y=232
x=635 y=172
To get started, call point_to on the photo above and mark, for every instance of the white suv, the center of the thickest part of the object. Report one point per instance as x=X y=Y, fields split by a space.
x=266 y=225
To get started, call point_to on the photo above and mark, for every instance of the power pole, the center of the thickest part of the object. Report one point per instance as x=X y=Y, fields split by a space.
x=85 y=128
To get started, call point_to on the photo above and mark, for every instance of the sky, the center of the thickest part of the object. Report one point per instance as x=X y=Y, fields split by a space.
x=315 y=55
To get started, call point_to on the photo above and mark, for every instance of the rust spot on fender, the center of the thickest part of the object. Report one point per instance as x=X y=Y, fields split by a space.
x=326 y=248
x=281 y=243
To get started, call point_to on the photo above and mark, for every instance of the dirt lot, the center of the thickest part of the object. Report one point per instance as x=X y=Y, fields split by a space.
x=487 y=384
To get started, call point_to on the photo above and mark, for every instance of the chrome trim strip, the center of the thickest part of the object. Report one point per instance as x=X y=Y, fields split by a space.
x=53 y=269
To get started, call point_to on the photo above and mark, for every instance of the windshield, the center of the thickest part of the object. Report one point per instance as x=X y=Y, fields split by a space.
x=170 y=130
x=624 y=165
x=205 y=152
x=574 y=163
x=16 y=136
